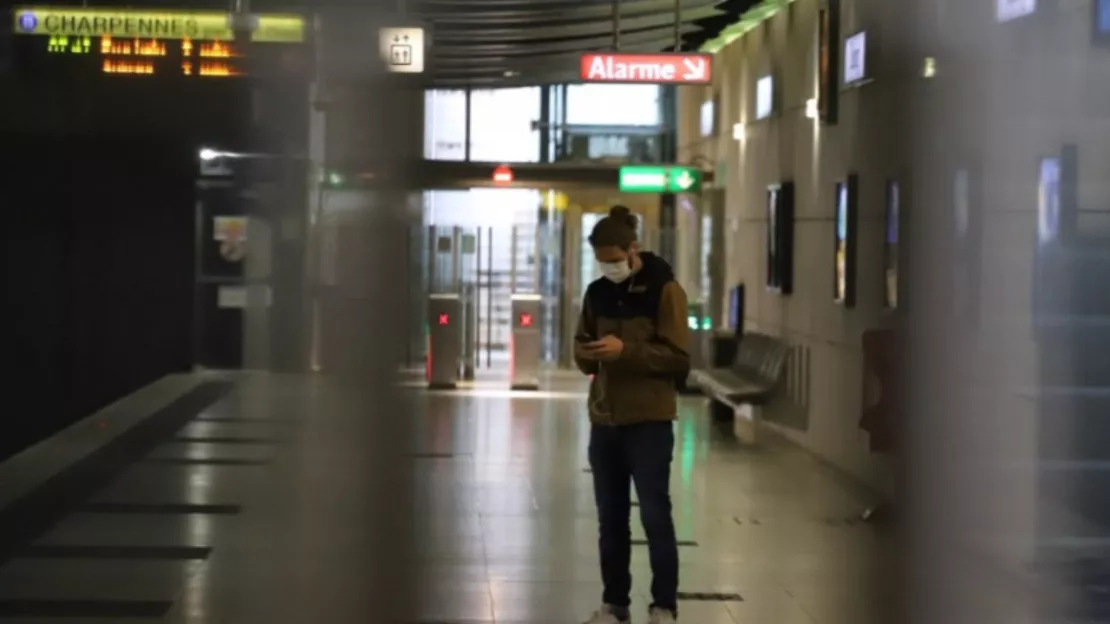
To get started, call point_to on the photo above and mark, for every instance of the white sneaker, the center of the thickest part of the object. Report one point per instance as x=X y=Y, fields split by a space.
x=661 y=616
x=604 y=615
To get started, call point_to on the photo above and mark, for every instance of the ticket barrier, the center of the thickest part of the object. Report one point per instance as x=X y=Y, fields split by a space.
x=445 y=340
x=525 y=345
x=469 y=330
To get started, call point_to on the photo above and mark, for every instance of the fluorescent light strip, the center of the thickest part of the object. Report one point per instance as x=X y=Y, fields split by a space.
x=748 y=21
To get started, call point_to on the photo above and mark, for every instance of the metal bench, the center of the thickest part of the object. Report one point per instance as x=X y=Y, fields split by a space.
x=750 y=380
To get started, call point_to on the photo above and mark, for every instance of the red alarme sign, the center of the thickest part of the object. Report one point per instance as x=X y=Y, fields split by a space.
x=525 y=320
x=444 y=319
x=647 y=68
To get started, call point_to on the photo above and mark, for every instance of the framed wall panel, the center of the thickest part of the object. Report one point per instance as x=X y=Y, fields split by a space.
x=780 y=238
x=845 y=235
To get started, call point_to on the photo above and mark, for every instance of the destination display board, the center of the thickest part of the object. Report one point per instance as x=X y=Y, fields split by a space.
x=125 y=42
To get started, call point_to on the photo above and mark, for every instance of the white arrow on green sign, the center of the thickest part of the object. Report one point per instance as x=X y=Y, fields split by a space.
x=659 y=179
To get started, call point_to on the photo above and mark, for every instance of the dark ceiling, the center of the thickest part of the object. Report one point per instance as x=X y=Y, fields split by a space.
x=505 y=42
x=486 y=43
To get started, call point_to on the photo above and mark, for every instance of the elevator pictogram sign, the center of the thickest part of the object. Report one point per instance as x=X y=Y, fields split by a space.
x=402 y=49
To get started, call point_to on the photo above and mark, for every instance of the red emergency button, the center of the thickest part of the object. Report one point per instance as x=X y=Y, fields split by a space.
x=525 y=320
x=444 y=319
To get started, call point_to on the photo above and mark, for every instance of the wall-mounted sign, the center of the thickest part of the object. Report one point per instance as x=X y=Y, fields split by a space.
x=855 y=58
x=891 y=253
x=659 y=179
x=229 y=229
x=844 y=239
x=402 y=49
x=1048 y=201
x=828 y=35
x=1007 y=10
x=1100 y=20
x=148 y=57
x=646 y=68
x=163 y=43
x=764 y=97
x=135 y=24
x=231 y=234
x=232 y=297
x=707 y=120
x=780 y=238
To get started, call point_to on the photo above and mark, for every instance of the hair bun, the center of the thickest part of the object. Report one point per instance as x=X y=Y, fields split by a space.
x=624 y=215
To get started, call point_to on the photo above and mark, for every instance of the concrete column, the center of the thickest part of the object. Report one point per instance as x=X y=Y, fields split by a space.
x=373 y=129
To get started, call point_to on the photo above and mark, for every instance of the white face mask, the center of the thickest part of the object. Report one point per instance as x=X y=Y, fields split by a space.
x=615 y=271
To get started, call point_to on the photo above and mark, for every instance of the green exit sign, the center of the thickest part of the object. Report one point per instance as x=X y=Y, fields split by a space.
x=659 y=179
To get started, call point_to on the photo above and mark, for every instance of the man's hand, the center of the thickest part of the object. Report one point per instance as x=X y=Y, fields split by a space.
x=584 y=350
x=607 y=349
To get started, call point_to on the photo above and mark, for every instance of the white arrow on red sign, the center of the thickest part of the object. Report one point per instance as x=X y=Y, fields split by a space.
x=696 y=69
x=646 y=68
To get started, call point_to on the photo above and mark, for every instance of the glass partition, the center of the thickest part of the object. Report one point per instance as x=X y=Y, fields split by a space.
x=613 y=105
x=590 y=122
x=504 y=125
x=445 y=124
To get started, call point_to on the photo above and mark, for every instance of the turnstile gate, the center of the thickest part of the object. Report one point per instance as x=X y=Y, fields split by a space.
x=526 y=342
x=445 y=340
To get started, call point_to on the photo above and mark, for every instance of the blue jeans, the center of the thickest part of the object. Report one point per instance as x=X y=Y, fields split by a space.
x=640 y=454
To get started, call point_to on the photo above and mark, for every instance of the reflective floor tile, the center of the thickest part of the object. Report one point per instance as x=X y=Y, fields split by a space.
x=91 y=579
x=841 y=600
x=768 y=604
x=440 y=572
x=705 y=613
x=184 y=484
x=78 y=620
x=213 y=451
x=136 y=530
x=500 y=514
x=106 y=609
x=550 y=602
x=454 y=602
x=244 y=429
x=450 y=548
x=575 y=570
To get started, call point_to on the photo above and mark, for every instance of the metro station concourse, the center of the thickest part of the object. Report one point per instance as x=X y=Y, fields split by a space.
x=299 y=343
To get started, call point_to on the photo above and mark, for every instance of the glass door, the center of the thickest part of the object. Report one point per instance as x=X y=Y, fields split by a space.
x=220 y=296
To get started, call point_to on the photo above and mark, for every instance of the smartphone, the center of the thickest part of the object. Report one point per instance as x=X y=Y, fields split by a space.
x=584 y=339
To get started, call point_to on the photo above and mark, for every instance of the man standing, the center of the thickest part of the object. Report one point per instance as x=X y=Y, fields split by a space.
x=632 y=339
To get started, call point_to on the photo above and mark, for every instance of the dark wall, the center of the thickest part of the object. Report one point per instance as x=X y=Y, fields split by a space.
x=98 y=233
x=98 y=274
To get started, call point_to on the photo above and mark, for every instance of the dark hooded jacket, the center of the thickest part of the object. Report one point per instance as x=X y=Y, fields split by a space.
x=648 y=313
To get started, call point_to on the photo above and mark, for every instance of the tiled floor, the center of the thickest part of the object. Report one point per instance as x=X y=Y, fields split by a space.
x=314 y=513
